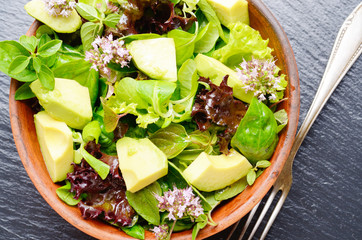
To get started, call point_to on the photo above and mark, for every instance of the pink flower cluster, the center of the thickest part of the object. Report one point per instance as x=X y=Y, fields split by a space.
x=180 y=203
x=104 y=51
x=59 y=7
x=261 y=77
x=161 y=232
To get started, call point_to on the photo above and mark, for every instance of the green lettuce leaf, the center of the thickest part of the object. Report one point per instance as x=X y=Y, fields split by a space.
x=244 y=43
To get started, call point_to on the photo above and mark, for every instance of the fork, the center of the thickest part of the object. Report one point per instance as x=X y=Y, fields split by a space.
x=346 y=50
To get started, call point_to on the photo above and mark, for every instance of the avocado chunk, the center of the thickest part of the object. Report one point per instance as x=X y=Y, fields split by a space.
x=60 y=24
x=231 y=11
x=215 y=70
x=56 y=145
x=213 y=172
x=155 y=57
x=68 y=102
x=140 y=162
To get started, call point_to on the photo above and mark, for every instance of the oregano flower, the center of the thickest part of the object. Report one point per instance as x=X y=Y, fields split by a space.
x=179 y=203
x=59 y=7
x=106 y=50
x=262 y=77
x=161 y=232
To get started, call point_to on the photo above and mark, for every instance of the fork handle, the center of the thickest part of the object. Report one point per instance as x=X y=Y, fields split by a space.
x=346 y=50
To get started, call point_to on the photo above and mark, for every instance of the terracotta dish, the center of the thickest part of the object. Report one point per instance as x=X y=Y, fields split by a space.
x=21 y=116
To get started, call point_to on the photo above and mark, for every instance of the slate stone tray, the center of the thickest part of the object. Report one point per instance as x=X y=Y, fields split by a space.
x=325 y=201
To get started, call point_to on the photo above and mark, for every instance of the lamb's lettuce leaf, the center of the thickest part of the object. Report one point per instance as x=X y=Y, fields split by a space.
x=187 y=88
x=211 y=16
x=206 y=38
x=149 y=99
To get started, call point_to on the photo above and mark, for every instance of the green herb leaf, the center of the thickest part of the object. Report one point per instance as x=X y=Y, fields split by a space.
x=136 y=231
x=129 y=38
x=50 y=48
x=68 y=197
x=145 y=203
x=37 y=64
x=89 y=32
x=282 y=119
x=46 y=77
x=112 y=20
x=24 y=92
x=117 y=67
x=259 y=172
x=232 y=190
x=28 y=42
x=19 y=64
x=91 y=131
x=172 y=140
x=43 y=40
x=250 y=178
x=201 y=222
x=100 y=167
x=88 y=12
x=263 y=164
x=95 y=3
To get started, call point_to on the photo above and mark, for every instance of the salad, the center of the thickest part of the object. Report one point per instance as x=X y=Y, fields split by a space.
x=149 y=113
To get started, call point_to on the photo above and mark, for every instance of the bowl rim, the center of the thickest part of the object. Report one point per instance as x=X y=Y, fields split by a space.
x=91 y=227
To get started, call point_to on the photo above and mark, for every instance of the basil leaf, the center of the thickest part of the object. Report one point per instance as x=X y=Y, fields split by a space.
x=49 y=61
x=262 y=164
x=79 y=70
x=43 y=40
x=68 y=197
x=24 y=92
x=37 y=64
x=44 y=29
x=9 y=50
x=145 y=203
x=91 y=131
x=50 y=48
x=87 y=12
x=46 y=77
x=89 y=32
x=28 y=42
x=100 y=167
x=19 y=64
x=112 y=20
x=136 y=231
x=232 y=190
x=250 y=177
x=172 y=140
x=256 y=136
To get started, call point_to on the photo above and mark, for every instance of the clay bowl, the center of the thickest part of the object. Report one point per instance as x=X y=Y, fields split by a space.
x=21 y=116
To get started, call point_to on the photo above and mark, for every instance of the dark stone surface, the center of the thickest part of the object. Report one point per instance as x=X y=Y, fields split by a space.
x=325 y=201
